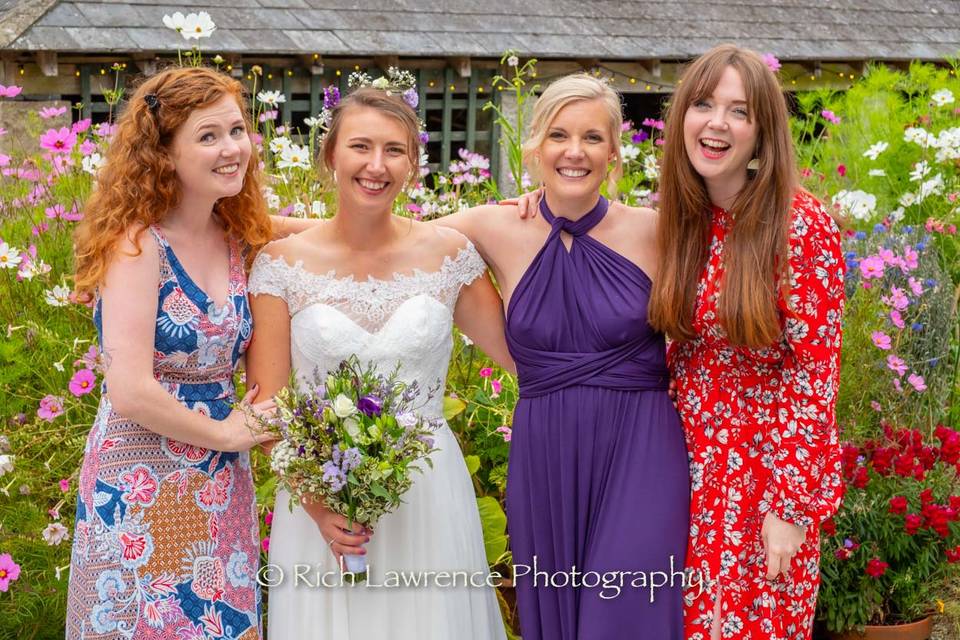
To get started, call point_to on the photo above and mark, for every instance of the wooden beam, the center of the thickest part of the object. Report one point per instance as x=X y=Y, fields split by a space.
x=588 y=64
x=461 y=64
x=385 y=62
x=47 y=61
x=147 y=64
x=652 y=67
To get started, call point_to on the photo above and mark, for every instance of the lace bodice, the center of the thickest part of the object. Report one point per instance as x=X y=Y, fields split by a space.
x=405 y=320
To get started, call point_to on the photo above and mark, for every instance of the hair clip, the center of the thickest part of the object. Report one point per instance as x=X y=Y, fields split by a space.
x=153 y=103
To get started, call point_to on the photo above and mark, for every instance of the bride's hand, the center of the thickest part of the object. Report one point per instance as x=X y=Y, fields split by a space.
x=526 y=203
x=336 y=531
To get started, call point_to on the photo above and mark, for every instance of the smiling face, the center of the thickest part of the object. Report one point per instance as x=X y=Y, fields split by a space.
x=210 y=151
x=578 y=146
x=720 y=135
x=371 y=158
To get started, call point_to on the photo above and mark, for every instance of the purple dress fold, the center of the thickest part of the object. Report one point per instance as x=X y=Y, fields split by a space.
x=598 y=486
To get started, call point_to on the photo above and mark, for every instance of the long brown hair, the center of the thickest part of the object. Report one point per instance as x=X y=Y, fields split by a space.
x=755 y=251
x=138 y=184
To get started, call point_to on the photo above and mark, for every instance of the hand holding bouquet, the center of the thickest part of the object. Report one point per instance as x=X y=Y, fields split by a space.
x=350 y=440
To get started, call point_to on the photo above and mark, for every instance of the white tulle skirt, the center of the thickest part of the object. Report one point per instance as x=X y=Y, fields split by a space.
x=436 y=529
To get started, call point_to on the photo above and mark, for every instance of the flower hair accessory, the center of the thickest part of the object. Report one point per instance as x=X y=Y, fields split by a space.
x=153 y=103
x=398 y=81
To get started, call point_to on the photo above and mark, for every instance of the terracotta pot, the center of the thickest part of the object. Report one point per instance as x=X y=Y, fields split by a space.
x=919 y=630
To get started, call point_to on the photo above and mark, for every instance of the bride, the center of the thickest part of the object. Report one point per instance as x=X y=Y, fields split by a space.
x=388 y=290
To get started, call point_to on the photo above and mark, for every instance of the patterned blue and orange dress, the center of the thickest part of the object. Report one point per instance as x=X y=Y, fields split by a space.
x=166 y=540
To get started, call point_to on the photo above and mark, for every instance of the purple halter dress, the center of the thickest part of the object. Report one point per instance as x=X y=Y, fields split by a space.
x=598 y=485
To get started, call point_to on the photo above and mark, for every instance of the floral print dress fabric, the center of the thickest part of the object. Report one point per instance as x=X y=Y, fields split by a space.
x=762 y=436
x=166 y=542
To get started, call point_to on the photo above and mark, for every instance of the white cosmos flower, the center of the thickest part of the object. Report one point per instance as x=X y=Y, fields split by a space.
x=858 y=204
x=280 y=143
x=908 y=199
x=93 y=163
x=55 y=533
x=875 y=150
x=272 y=98
x=629 y=152
x=175 y=22
x=879 y=173
x=920 y=170
x=294 y=156
x=897 y=214
x=313 y=122
x=9 y=256
x=59 y=296
x=920 y=136
x=6 y=464
x=932 y=187
x=942 y=98
x=948 y=145
x=198 y=25
x=318 y=208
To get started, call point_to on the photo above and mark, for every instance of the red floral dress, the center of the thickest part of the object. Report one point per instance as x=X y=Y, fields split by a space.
x=761 y=434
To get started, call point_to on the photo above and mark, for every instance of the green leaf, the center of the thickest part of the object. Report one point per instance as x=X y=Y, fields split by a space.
x=452 y=407
x=473 y=463
x=378 y=490
x=493 y=521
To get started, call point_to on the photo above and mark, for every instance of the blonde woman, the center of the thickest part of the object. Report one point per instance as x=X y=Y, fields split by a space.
x=598 y=490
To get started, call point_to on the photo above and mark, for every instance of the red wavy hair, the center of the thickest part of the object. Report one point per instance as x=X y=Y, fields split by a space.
x=138 y=184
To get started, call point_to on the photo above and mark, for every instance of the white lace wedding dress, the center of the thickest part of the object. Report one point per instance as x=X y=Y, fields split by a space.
x=408 y=320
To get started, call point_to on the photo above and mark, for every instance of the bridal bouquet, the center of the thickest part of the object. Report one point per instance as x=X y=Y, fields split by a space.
x=350 y=439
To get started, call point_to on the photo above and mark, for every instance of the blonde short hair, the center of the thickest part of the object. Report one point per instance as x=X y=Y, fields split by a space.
x=566 y=90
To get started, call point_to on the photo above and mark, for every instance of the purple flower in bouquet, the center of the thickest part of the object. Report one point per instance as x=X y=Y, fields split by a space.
x=639 y=137
x=370 y=406
x=333 y=476
x=331 y=97
x=351 y=459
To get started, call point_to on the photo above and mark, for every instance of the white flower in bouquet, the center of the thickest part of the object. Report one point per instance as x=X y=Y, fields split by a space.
x=343 y=406
x=629 y=152
x=294 y=157
x=6 y=464
x=650 y=167
x=280 y=143
x=271 y=98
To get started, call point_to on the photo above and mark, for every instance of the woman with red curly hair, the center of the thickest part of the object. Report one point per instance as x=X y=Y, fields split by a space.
x=166 y=536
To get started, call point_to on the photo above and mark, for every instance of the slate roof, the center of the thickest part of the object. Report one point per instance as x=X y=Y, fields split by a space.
x=604 y=29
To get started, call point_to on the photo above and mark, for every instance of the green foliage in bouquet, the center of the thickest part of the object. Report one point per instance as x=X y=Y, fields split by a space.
x=350 y=438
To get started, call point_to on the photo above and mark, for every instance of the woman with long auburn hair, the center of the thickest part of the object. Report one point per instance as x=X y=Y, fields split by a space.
x=166 y=540
x=751 y=292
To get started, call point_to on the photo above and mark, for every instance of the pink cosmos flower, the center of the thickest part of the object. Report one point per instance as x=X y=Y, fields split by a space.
x=872 y=267
x=910 y=259
x=4 y=160
x=842 y=169
x=497 y=387
x=81 y=125
x=915 y=286
x=506 y=431
x=10 y=92
x=897 y=299
x=87 y=147
x=9 y=570
x=771 y=61
x=486 y=372
x=65 y=485
x=60 y=140
x=896 y=364
x=105 y=129
x=51 y=406
x=89 y=359
x=917 y=382
x=265 y=544
x=268 y=519
x=3 y=131
x=52 y=112
x=876 y=406
x=897 y=319
x=82 y=382
x=889 y=257
x=880 y=340
x=830 y=116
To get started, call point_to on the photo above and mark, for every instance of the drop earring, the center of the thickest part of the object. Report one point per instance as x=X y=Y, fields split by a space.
x=753 y=165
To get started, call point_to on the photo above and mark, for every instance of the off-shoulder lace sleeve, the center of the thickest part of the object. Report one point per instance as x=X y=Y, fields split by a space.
x=467 y=266
x=268 y=275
